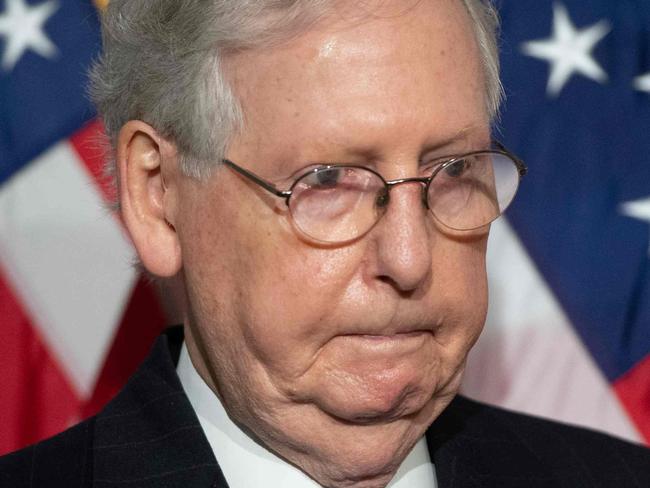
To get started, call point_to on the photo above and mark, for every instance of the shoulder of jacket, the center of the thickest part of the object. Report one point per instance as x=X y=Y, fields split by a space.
x=608 y=460
x=62 y=460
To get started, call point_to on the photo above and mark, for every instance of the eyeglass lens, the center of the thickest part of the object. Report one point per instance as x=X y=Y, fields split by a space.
x=341 y=203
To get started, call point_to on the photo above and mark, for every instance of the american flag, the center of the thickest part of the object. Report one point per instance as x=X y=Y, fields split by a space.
x=75 y=316
x=568 y=333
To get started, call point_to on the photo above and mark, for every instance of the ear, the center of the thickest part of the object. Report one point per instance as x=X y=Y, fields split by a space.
x=141 y=154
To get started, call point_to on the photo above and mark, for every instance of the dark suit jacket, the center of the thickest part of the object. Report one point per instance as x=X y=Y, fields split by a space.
x=149 y=436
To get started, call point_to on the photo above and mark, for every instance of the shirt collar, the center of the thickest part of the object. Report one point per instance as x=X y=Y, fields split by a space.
x=245 y=463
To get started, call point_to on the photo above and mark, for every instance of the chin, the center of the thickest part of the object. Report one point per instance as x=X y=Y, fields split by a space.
x=384 y=404
x=346 y=454
x=344 y=443
x=366 y=465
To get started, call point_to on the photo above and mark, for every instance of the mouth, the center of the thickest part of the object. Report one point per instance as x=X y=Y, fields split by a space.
x=387 y=342
x=378 y=378
x=397 y=336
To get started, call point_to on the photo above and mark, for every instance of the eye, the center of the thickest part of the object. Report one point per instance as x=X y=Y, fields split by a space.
x=328 y=177
x=458 y=167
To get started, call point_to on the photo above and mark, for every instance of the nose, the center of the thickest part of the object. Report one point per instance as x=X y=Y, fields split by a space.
x=404 y=239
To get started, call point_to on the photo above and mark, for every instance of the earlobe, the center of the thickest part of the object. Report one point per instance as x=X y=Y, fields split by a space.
x=141 y=155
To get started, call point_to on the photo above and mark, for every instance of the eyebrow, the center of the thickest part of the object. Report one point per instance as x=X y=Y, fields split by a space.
x=463 y=135
x=352 y=154
x=435 y=145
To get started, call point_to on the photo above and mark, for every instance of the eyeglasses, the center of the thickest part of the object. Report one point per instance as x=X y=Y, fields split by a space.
x=337 y=203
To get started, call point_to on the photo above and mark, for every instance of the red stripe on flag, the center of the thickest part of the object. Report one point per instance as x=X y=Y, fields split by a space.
x=91 y=145
x=36 y=398
x=633 y=389
x=141 y=324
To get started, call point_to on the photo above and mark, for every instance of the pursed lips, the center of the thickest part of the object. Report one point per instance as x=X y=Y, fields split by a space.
x=388 y=341
x=402 y=330
x=393 y=336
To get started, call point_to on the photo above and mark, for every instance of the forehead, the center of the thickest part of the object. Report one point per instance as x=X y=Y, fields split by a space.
x=361 y=82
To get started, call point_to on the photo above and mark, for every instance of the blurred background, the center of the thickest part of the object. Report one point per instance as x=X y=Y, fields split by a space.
x=568 y=331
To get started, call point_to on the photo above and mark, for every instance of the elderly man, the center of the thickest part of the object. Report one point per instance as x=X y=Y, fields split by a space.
x=318 y=178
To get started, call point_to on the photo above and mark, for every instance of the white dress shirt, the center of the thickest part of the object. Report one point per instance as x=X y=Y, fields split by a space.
x=247 y=464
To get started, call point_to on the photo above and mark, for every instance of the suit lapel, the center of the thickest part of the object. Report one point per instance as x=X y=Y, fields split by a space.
x=471 y=447
x=149 y=434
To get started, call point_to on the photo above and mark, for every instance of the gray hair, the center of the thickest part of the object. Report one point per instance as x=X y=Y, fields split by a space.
x=161 y=64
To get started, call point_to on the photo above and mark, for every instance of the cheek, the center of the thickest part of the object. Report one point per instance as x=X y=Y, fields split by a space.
x=463 y=289
x=298 y=298
x=254 y=284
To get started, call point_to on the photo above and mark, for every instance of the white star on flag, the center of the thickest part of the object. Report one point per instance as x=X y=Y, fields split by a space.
x=21 y=26
x=638 y=209
x=642 y=83
x=569 y=50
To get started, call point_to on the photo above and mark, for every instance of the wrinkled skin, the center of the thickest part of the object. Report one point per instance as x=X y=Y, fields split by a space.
x=339 y=357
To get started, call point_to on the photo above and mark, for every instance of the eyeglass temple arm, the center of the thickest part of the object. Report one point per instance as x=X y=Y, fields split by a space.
x=256 y=179
x=521 y=166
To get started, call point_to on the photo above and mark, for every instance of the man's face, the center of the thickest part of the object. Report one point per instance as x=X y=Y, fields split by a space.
x=339 y=357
